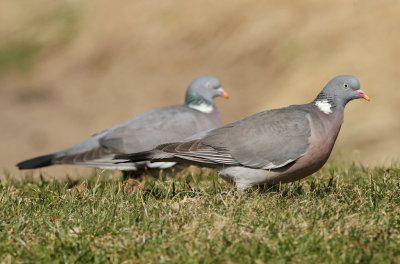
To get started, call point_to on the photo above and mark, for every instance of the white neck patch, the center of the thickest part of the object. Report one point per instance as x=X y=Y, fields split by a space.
x=203 y=107
x=324 y=106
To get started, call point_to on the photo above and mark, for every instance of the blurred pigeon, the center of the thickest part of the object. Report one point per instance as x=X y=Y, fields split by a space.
x=143 y=132
x=270 y=147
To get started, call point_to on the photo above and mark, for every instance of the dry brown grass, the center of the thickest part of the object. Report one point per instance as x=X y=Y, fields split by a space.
x=94 y=64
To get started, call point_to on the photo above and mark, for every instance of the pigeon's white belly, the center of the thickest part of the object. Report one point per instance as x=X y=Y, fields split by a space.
x=244 y=177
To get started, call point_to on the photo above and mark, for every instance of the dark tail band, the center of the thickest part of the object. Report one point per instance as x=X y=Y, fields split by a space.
x=38 y=162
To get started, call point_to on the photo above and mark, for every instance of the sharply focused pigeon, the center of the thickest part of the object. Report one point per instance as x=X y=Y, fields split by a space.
x=143 y=132
x=270 y=147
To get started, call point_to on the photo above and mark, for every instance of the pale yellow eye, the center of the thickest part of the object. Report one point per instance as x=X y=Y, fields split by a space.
x=208 y=84
x=345 y=85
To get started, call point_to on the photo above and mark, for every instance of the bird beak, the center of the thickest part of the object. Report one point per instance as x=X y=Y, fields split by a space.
x=362 y=94
x=222 y=93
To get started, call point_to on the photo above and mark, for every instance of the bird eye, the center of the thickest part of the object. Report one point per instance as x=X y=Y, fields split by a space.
x=208 y=84
x=345 y=85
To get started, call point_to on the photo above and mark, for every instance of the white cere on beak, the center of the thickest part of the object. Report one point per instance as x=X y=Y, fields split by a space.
x=324 y=106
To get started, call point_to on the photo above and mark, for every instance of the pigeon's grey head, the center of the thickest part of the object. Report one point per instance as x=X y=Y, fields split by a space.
x=202 y=90
x=339 y=91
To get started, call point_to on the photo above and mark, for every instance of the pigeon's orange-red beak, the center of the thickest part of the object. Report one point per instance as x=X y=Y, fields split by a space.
x=363 y=95
x=223 y=93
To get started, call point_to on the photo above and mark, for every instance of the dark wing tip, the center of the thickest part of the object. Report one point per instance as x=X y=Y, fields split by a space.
x=121 y=156
x=135 y=157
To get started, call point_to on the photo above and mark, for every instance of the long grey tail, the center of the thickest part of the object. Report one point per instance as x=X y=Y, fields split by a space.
x=38 y=162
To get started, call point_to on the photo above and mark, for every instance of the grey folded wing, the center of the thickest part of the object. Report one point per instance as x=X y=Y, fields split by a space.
x=267 y=140
x=155 y=127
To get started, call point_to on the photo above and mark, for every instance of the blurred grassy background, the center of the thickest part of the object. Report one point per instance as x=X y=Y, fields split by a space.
x=71 y=68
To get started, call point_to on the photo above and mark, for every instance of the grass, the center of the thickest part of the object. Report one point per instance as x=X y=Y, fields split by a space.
x=346 y=214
